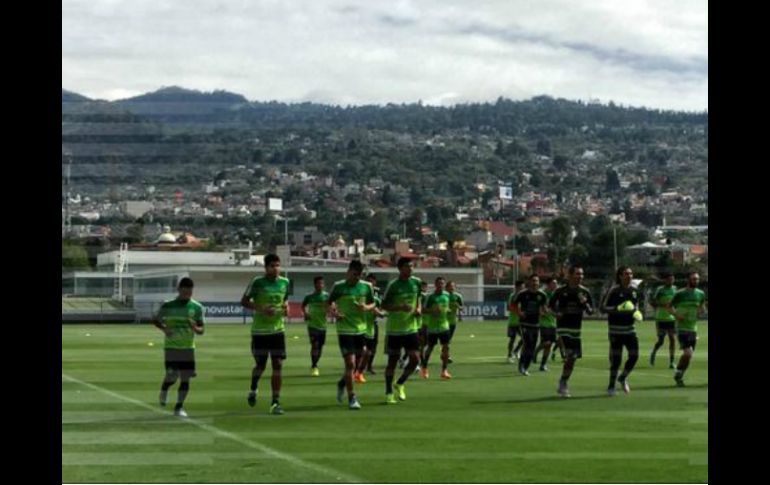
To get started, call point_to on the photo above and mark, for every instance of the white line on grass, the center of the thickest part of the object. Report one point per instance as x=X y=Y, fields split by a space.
x=226 y=434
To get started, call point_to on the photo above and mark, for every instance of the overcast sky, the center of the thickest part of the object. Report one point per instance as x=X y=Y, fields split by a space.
x=650 y=53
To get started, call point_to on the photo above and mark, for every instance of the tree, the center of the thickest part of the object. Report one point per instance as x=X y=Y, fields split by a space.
x=560 y=162
x=578 y=254
x=613 y=180
x=387 y=196
x=524 y=245
x=376 y=227
x=73 y=256
x=543 y=147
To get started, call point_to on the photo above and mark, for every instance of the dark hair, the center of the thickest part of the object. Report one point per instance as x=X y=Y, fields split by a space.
x=549 y=279
x=440 y=278
x=271 y=258
x=317 y=279
x=403 y=262
x=371 y=276
x=356 y=265
x=533 y=275
x=665 y=275
x=186 y=283
x=519 y=282
x=619 y=273
x=572 y=268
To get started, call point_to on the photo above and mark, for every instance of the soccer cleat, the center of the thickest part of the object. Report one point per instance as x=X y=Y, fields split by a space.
x=446 y=375
x=523 y=371
x=359 y=377
x=315 y=372
x=252 y=399
x=626 y=387
x=543 y=368
x=449 y=360
x=563 y=391
x=354 y=404
x=180 y=412
x=401 y=391
x=511 y=359
x=163 y=398
x=390 y=399
x=611 y=391
x=276 y=408
x=671 y=366
x=679 y=378
x=340 y=394
x=424 y=373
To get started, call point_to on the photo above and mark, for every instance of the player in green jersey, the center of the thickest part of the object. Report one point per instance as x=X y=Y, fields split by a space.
x=402 y=302
x=180 y=320
x=435 y=315
x=456 y=303
x=665 y=322
x=687 y=305
x=268 y=297
x=547 y=326
x=315 y=306
x=371 y=336
x=351 y=300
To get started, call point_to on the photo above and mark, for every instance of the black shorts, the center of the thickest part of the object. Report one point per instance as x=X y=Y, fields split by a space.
x=687 y=339
x=180 y=360
x=547 y=334
x=317 y=335
x=664 y=327
x=408 y=342
x=442 y=337
x=423 y=332
x=513 y=331
x=273 y=344
x=628 y=340
x=351 y=344
x=572 y=346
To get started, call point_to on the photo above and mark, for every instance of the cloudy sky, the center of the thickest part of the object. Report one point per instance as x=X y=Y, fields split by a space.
x=650 y=53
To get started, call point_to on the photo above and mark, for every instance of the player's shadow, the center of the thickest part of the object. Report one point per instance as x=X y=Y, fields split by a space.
x=602 y=395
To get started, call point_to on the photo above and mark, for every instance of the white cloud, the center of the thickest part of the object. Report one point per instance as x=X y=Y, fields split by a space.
x=652 y=53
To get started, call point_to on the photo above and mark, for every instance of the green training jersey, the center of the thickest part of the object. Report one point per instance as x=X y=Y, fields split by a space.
x=316 y=306
x=455 y=304
x=402 y=292
x=268 y=293
x=549 y=319
x=176 y=315
x=687 y=302
x=348 y=297
x=663 y=296
x=437 y=322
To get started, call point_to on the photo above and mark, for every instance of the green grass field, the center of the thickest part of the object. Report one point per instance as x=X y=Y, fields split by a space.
x=488 y=424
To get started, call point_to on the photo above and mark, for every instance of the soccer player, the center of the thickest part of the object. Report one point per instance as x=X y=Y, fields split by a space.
x=371 y=336
x=622 y=308
x=455 y=307
x=665 y=321
x=352 y=299
x=547 y=325
x=268 y=297
x=180 y=320
x=422 y=335
x=686 y=305
x=315 y=306
x=514 y=328
x=435 y=315
x=530 y=305
x=402 y=302
x=569 y=302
